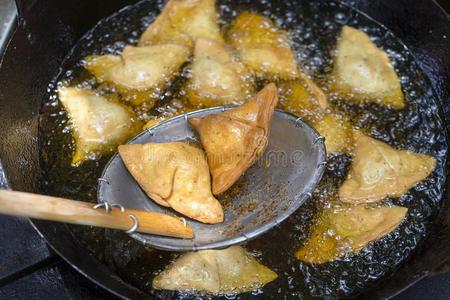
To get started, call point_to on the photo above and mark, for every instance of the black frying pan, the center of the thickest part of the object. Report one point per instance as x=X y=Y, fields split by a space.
x=47 y=30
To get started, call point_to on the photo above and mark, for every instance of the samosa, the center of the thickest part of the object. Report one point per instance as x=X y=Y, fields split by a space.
x=217 y=76
x=235 y=139
x=175 y=175
x=227 y=271
x=263 y=47
x=140 y=73
x=302 y=97
x=182 y=22
x=363 y=72
x=380 y=171
x=337 y=130
x=100 y=123
x=347 y=229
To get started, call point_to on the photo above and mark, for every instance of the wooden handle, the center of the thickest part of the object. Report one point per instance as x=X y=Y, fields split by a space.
x=83 y=213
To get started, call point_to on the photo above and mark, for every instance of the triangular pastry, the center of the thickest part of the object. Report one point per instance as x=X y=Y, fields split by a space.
x=232 y=147
x=302 y=97
x=363 y=72
x=348 y=229
x=183 y=22
x=100 y=124
x=380 y=171
x=234 y=140
x=337 y=130
x=139 y=71
x=217 y=77
x=175 y=175
x=227 y=271
x=263 y=47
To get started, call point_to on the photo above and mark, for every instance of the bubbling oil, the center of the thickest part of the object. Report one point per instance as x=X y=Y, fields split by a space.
x=314 y=27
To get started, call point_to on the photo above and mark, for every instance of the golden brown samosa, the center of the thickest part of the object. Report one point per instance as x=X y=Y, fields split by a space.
x=235 y=139
x=380 y=171
x=183 y=22
x=218 y=77
x=99 y=124
x=363 y=72
x=263 y=47
x=232 y=147
x=175 y=175
x=258 y=110
x=139 y=71
x=347 y=229
x=302 y=97
x=227 y=271
x=337 y=130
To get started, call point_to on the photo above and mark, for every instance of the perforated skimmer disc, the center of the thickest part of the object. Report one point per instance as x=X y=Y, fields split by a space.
x=271 y=190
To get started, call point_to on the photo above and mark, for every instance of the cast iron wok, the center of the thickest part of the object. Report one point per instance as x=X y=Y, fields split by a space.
x=47 y=30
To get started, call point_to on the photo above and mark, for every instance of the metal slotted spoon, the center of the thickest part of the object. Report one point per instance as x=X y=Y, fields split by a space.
x=270 y=191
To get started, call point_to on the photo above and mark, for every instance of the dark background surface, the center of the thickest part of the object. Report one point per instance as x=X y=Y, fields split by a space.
x=30 y=270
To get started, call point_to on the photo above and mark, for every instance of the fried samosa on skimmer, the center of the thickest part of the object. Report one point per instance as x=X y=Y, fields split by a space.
x=174 y=175
x=232 y=147
x=234 y=139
